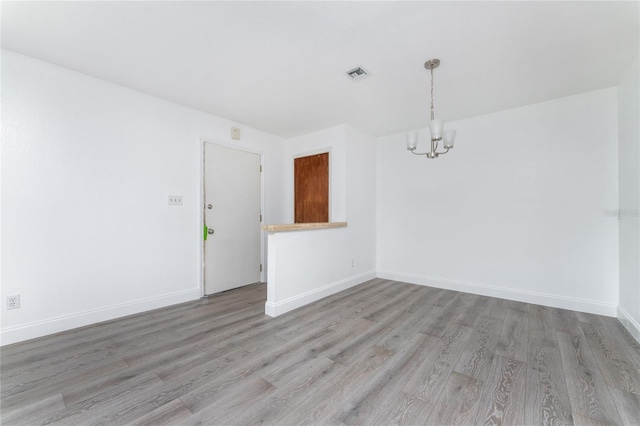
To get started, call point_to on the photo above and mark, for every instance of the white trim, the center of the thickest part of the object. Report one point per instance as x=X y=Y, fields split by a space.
x=629 y=323
x=279 y=308
x=67 y=322
x=537 y=298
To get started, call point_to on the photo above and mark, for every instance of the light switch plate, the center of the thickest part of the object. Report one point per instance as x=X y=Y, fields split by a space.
x=175 y=200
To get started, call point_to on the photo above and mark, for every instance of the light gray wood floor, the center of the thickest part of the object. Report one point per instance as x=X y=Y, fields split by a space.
x=383 y=352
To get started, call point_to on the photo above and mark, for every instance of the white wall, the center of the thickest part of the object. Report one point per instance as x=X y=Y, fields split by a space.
x=305 y=266
x=87 y=166
x=516 y=210
x=629 y=193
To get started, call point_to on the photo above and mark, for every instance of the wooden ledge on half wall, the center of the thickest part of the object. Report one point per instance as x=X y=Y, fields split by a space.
x=303 y=226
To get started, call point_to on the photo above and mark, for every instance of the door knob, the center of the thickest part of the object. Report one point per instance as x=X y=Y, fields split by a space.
x=210 y=231
x=209 y=206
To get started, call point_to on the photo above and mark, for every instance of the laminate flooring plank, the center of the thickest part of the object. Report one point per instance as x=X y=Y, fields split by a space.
x=476 y=306
x=441 y=321
x=358 y=293
x=90 y=386
x=198 y=384
x=347 y=351
x=503 y=395
x=615 y=364
x=547 y=397
x=402 y=409
x=361 y=405
x=229 y=316
x=34 y=413
x=324 y=345
x=156 y=396
x=398 y=301
x=631 y=346
x=197 y=398
x=321 y=319
x=102 y=343
x=171 y=413
x=582 y=420
x=169 y=364
x=234 y=326
x=211 y=340
x=219 y=360
x=228 y=401
x=567 y=322
x=112 y=400
x=34 y=369
x=459 y=401
x=615 y=326
x=477 y=356
x=377 y=403
x=628 y=405
x=514 y=335
x=590 y=318
x=292 y=390
x=96 y=334
x=187 y=354
x=66 y=365
x=588 y=392
x=104 y=373
x=15 y=393
x=445 y=297
x=497 y=308
x=542 y=329
x=39 y=372
x=405 y=326
x=427 y=296
x=428 y=381
x=322 y=403
x=348 y=309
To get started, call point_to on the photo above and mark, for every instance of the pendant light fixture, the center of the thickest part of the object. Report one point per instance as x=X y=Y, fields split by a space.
x=436 y=126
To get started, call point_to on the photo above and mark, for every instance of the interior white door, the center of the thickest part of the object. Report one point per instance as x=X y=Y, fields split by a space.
x=232 y=200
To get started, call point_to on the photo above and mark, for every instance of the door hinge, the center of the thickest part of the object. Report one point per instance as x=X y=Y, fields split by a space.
x=260 y=217
x=260 y=168
x=261 y=267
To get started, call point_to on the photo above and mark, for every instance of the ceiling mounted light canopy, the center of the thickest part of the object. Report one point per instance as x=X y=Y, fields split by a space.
x=436 y=126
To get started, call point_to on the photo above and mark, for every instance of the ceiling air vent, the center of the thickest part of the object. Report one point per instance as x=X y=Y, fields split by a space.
x=357 y=73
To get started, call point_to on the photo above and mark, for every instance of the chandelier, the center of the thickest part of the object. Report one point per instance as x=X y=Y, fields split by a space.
x=436 y=126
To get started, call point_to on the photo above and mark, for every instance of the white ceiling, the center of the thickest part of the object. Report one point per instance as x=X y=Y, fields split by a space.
x=278 y=66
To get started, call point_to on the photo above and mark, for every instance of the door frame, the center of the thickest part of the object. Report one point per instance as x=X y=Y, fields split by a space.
x=201 y=174
x=326 y=150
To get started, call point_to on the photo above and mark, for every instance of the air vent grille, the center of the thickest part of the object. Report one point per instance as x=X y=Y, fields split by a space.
x=357 y=73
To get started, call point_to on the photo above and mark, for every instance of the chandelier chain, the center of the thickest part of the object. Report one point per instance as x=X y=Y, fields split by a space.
x=432 y=114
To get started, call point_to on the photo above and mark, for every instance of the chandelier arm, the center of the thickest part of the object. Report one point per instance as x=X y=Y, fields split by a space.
x=418 y=153
x=441 y=153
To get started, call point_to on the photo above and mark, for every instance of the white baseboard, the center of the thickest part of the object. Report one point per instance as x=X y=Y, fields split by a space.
x=55 y=325
x=629 y=323
x=551 y=300
x=284 y=306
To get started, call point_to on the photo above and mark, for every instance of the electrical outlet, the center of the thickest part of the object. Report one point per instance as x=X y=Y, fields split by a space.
x=13 y=302
x=175 y=200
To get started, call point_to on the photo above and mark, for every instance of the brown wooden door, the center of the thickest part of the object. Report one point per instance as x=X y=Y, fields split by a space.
x=311 y=183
